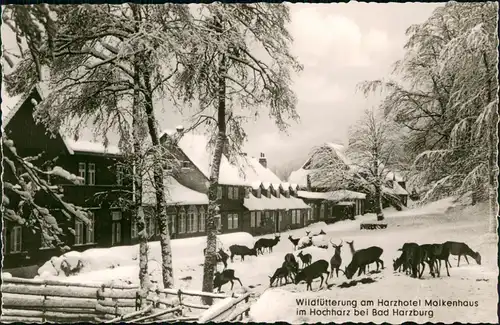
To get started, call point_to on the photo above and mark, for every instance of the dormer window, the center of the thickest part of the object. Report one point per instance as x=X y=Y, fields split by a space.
x=247 y=192
x=277 y=194
x=185 y=164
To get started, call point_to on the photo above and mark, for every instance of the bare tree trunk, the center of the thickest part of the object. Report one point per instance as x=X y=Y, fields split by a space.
x=139 y=214
x=493 y=175
x=161 y=204
x=210 y=259
x=378 y=203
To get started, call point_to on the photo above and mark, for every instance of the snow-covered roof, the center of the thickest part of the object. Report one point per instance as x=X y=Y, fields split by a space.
x=175 y=193
x=73 y=146
x=299 y=177
x=42 y=89
x=253 y=203
x=339 y=151
x=91 y=147
x=247 y=171
x=395 y=190
x=339 y=195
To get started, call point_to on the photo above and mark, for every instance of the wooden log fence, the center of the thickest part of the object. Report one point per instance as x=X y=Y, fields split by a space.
x=232 y=310
x=33 y=300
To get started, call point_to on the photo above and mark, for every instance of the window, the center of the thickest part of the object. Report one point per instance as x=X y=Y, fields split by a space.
x=267 y=215
x=82 y=172
x=202 y=220
x=259 y=193
x=173 y=229
x=91 y=174
x=157 y=226
x=182 y=221
x=78 y=232
x=150 y=226
x=16 y=239
x=232 y=221
x=219 y=192
x=280 y=216
x=116 y=233
x=116 y=215
x=322 y=211
x=119 y=175
x=232 y=193
x=185 y=164
x=218 y=222
x=133 y=229
x=116 y=227
x=255 y=218
x=90 y=228
x=192 y=220
x=247 y=192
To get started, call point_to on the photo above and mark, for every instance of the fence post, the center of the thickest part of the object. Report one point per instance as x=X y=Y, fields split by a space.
x=246 y=302
x=43 y=302
x=179 y=295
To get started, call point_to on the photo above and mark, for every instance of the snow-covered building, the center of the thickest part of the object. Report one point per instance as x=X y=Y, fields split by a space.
x=102 y=184
x=328 y=205
x=342 y=202
x=252 y=198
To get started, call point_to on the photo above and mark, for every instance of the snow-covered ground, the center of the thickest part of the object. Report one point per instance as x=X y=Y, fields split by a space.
x=434 y=223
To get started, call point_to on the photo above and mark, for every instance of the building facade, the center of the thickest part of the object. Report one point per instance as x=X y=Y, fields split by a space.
x=102 y=184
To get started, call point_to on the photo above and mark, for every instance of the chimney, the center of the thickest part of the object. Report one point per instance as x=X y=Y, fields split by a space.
x=179 y=128
x=263 y=160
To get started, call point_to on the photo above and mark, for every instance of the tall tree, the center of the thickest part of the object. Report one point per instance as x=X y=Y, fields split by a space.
x=227 y=77
x=375 y=151
x=448 y=100
x=104 y=56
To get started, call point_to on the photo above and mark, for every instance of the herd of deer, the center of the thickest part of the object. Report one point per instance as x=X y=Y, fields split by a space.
x=414 y=257
x=411 y=261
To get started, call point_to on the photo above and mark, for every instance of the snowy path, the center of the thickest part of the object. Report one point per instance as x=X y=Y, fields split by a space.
x=424 y=225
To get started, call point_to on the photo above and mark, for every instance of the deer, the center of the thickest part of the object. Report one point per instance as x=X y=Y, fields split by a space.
x=313 y=271
x=221 y=278
x=351 y=248
x=363 y=257
x=242 y=251
x=270 y=243
x=294 y=241
x=291 y=264
x=280 y=273
x=221 y=256
x=415 y=257
x=462 y=249
x=305 y=258
x=401 y=261
x=336 y=259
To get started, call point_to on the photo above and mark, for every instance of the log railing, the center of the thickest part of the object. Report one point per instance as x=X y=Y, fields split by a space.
x=33 y=301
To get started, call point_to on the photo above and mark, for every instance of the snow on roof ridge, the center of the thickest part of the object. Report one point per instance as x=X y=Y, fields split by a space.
x=91 y=146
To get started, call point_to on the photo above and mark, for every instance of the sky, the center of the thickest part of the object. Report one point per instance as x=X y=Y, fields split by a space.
x=339 y=45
